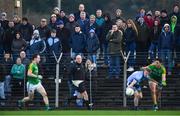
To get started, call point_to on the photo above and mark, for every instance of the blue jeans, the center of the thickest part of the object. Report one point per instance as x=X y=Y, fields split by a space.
x=114 y=65
x=131 y=47
x=7 y=86
x=166 y=56
x=92 y=57
x=153 y=49
x=105 y=52
x=2 y=95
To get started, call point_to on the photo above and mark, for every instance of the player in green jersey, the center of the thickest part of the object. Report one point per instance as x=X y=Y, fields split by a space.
x=157 y=79
x=34 y=83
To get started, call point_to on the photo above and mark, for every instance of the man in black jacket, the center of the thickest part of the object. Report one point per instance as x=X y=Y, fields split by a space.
x=77 y=75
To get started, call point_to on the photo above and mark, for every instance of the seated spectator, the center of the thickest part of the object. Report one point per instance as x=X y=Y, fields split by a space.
x=83 y=23
x=92 y=45
x=81 y=9
x=25 y=61
x=18 y=45
x=37 y=45
x=18 y=75
x=77 y=42
x=43 y=29
x=26 y=29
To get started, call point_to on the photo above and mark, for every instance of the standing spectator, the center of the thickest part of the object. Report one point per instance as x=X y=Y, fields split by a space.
x=99 y=22
x=7 y=62
x=54 y=44
x=70 y=25
x=18 y=45
x=107 y=25
x=142 y=42
x=17 y=22
x=2 y=81
x=173 y=23
x=92 y=23
x=37 y=45
x=25 y=61
x=63 y=34
x=56 y=11
x=52 y=23
x=157 y=15
x=4 y=22
x=164 y=18
x=92 y=45
x=149 y=19
x=1 y=42
x=141 y=14
x=81 y=9
x=130 y=36
x=176 y=12
x=114 y=37
x=8 y=37
x=77 y=42
x=83 y=23
x=165 y=44
x=18 y=75
x=43 y=29
x=118 y=16
x=63 y=17
x=26 y=29
x=154 y=32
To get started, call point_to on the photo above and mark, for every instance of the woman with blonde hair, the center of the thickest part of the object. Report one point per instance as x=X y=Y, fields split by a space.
x=130 y=35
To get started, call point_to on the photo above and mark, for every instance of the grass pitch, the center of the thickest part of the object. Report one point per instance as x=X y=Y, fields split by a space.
x=89 y=113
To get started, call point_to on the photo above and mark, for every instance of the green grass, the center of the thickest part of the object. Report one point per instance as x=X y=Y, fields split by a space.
x=89 y=113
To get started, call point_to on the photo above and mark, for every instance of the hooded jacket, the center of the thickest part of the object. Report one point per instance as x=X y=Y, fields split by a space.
x=173 y=24
x=166 y=39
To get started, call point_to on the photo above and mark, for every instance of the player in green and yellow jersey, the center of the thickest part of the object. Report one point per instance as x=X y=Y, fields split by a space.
x=157 y=79
x=34 y=83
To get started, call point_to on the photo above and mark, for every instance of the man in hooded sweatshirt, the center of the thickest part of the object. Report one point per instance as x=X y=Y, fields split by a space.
x=165 y=45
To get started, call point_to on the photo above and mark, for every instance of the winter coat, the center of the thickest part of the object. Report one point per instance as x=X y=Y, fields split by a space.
x=44 y=32
x=92 y=44
x=71 y=27
x=18 y=45
x=78 y=42
x=84 y=25
x=26 y=31
x=130 y=35
x=115 y=42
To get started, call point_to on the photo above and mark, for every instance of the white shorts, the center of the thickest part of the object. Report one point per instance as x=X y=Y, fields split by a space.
x=31 y=88
x=77 y=82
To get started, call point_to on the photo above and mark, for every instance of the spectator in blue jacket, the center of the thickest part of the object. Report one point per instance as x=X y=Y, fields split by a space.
x=165 y=45
x=37 y=45
x=92 y=45
x=84 y=23
x=77 y=42
x=54 y=44
x=81 y=9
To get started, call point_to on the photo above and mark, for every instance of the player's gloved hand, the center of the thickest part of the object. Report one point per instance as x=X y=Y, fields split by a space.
x=164 y=83
x=40 y=76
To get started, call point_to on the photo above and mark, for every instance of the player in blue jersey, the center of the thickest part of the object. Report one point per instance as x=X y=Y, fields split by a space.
x=134 y=81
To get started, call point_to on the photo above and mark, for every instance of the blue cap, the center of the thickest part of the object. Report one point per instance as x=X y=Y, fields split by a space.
x=60 y=22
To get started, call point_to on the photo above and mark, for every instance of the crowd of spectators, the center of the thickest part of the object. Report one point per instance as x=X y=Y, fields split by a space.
x=149 y=35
